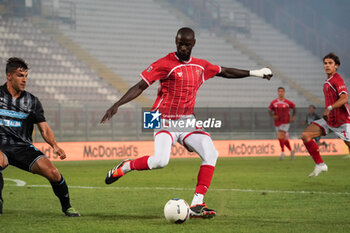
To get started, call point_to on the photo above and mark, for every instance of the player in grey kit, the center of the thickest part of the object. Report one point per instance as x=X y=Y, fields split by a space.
x=19 y=111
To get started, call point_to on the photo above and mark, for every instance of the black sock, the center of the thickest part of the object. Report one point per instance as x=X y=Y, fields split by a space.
x=1 y=186
x=61 y=191
x=1 y=183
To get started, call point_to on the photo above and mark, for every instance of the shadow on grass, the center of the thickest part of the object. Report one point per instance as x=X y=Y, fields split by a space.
x=37 y=214
x=121 y=216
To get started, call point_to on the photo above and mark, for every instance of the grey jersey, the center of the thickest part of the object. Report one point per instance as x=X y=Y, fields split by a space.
x=311 y=118
x=17 y=117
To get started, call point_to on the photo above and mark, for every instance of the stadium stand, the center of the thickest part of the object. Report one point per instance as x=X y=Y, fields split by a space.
x=279 y=50
x=310 y=24
x=56 y=75
x=73 y=95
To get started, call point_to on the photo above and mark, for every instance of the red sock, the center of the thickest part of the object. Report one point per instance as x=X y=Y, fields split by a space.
x=312 y=148
x=286 y=142
x=281 y=144
x=204 y=178
x=139 y=164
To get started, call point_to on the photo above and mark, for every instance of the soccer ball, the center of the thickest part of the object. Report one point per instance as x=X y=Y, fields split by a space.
x=176 y=211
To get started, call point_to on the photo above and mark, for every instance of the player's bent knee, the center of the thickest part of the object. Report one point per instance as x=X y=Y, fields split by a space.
x=211 y=158
x=281 y=135
x=3 y=165
x=53 y=175
x=3 y=161
x=215 y=155
x=305 y=136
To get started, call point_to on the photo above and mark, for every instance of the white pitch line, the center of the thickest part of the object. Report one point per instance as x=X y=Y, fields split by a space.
x=21 y=183
x=191 y=189
x=18 y=182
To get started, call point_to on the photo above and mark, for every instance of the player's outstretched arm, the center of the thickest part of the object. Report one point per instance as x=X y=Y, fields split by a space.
x=49 y=137
x=131 y=94
x=264 y=73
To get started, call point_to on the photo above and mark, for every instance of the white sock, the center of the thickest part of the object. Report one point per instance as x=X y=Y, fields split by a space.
x=197 y=199
x=126 y=167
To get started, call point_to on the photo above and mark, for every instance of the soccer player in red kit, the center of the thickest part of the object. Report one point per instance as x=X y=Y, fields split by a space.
x=336 y=116
x=279 y=110
x=180 y=75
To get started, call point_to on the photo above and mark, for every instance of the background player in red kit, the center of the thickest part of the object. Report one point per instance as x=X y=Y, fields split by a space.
x=180 y=75
x=279 y=110
x=336 y=116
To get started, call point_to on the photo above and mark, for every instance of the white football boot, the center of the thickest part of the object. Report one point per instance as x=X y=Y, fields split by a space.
x=318 y=169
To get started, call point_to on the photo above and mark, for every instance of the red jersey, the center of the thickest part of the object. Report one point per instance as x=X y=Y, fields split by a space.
x=281 y=108
x=332 y=89
x=179 y=82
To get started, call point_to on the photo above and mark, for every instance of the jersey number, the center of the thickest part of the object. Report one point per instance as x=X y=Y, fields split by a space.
x=344 y=132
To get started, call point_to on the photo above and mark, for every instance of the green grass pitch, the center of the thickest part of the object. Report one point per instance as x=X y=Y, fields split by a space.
x=249 y=195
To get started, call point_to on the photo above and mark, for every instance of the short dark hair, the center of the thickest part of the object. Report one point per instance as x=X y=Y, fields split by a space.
x=185 y=31
x=281 y=88
x=13 y=63
x=312 y=106
x=334 y=57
